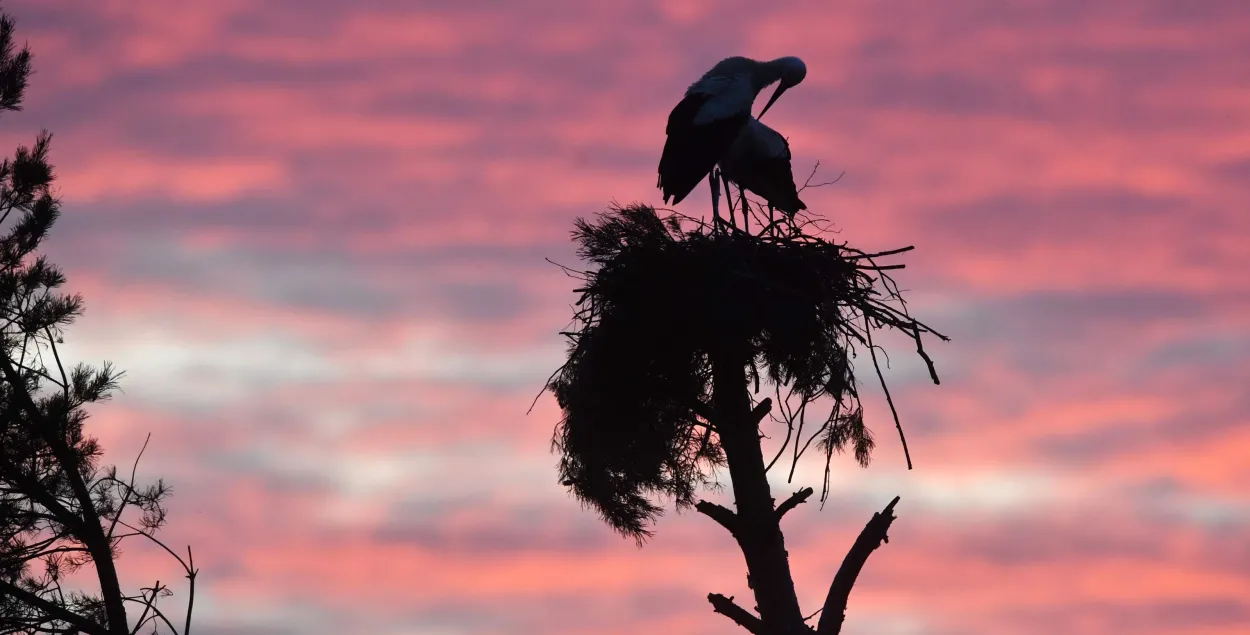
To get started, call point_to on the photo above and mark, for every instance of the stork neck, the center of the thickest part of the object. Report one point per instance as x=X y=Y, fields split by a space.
x=766 y=73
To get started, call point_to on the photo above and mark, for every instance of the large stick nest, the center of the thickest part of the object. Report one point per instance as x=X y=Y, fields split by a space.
x=636 y=388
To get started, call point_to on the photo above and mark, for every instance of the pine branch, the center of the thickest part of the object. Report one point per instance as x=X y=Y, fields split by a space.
x=54 y=610
x=88 y=530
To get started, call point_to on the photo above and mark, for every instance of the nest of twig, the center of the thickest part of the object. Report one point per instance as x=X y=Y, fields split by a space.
x=662 y=299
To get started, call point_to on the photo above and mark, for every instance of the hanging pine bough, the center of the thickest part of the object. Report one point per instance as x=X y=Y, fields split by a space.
x=662 y=303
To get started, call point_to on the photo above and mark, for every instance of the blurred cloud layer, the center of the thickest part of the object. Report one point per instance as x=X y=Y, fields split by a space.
x=314 y=233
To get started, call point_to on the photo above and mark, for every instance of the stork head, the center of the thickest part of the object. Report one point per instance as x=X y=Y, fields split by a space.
x=789 y=71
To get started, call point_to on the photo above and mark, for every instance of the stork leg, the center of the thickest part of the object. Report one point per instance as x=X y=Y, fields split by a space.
x=772 y=227
x=742 y=196
x=713 y=179
x=729 y=200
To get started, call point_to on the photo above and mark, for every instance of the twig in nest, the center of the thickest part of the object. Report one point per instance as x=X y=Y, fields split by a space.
x=872 y=350
x=808 y=183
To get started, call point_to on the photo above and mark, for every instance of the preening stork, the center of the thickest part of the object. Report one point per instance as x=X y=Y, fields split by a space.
x=759 y=161
x=705 y=124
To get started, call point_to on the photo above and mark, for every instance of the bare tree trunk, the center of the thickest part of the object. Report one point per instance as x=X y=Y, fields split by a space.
x=756 y=525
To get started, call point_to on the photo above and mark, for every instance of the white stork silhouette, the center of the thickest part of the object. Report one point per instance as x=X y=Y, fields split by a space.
x=759 y=161
x=705 y=124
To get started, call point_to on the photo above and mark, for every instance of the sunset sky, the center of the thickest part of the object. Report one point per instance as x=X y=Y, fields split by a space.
x=313 y=234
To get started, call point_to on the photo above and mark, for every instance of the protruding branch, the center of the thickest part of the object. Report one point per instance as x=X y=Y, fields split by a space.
x=722 y=515
x=873 y=534
x=795 y=500
x=872 y=351
x=725 y=606
x=761 y=410
x=53 y=609
x=702 y=410
x=192 y=572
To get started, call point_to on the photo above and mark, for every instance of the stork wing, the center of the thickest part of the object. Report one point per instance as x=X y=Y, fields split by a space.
x=756 y=144
x=759 y=161
x=728 y=96
x=766 y=142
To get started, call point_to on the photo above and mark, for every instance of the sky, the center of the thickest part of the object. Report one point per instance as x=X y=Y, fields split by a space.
x=314 y=235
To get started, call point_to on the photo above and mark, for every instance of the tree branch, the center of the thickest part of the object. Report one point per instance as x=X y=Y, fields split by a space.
x=703 y=411
x=725 y=606
x=29 y=486
x=795 y=500
x=147 y=602
x=761 y=410
x=722 y=515
x=88 y=529
x=129 y=489
x=191 y=574
x=873 y=534
x=53 y=609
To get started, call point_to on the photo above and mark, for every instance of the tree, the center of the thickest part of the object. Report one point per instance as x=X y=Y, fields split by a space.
x=675 y=329
x=60 y=511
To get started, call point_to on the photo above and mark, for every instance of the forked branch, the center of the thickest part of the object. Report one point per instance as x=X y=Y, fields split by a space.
x=873 y=534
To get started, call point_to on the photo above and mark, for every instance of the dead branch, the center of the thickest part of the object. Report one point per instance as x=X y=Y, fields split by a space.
x=761 y=410
x=722 y=515
x=726 y=606
x=795 y=500
x=874 y=533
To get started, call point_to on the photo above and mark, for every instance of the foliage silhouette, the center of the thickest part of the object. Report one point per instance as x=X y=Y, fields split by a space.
x=60 y=510
x=675 y=323
x=636 y=388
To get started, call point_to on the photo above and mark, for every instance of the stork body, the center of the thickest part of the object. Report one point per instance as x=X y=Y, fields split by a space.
x=705 y=124
x=759 y=161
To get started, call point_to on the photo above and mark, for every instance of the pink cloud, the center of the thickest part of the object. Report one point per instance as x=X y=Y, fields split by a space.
x=125 y=177
x=314 y=234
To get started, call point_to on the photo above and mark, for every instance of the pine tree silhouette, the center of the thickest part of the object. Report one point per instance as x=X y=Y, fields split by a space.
x=676 y=326
x=60 y=511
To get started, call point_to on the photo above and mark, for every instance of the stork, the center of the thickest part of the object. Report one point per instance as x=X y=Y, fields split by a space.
x=759 y=161
x=703 y=126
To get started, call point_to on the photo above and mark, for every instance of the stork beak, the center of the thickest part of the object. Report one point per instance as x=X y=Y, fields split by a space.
x=781 y=88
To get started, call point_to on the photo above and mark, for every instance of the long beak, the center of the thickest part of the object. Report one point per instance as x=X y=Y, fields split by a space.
x=781 y=88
